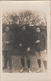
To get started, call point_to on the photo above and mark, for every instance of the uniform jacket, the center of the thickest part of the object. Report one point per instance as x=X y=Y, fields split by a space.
x=42 y=44
x=10 y=38
x=24 y=39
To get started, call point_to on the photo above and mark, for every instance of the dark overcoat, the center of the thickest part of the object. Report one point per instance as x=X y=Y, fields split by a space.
x=10 y=38
x=42 y=45
x=24 y=39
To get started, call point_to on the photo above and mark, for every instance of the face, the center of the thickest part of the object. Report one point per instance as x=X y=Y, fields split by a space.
x=23 y=28
x=7 y=29
x=38 y=30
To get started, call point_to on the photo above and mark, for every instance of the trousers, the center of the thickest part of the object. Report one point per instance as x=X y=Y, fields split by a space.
x=25 y=54
x=7 y=58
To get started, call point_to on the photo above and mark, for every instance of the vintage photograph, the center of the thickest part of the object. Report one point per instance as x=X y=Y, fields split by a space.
x=24 y=37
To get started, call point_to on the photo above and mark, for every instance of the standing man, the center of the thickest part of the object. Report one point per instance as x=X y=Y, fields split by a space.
x=39 y=41
x=8 y=40
x=24 y=47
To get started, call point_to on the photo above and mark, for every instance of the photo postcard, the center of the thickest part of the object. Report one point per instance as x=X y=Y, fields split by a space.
x=25 y=40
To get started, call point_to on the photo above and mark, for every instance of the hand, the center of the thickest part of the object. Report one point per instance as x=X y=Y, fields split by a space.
x=28 y=49
x=45 y=51
x=37 y=41
x=6 y=42
x=20 y=45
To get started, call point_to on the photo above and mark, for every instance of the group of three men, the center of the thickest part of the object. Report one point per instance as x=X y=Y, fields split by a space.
x=38 y=45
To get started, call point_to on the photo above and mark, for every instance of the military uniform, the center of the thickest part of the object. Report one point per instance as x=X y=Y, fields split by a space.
x=42 y=44
x=7 y=48
x=39 y=46
x=24 y=39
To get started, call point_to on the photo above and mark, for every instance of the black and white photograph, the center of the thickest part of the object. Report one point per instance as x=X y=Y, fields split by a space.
x=24 y=39
x=24 y=36
x=25 y=51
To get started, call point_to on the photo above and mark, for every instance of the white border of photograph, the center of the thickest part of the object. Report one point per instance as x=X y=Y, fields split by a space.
x=28 y=76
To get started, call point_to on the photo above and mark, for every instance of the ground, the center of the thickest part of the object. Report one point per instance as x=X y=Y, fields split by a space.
x=16 y=63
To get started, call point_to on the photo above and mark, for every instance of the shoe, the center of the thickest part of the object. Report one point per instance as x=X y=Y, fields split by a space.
x=39 y=70
x=29 y=70
x=44 y=70
x=22 y=70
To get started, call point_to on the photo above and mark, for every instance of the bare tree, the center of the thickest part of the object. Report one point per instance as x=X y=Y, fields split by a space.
x=25 y=17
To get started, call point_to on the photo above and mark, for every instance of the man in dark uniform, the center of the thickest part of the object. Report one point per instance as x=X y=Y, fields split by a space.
x=39 y=42
x=24 y=47
x=8 y=40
